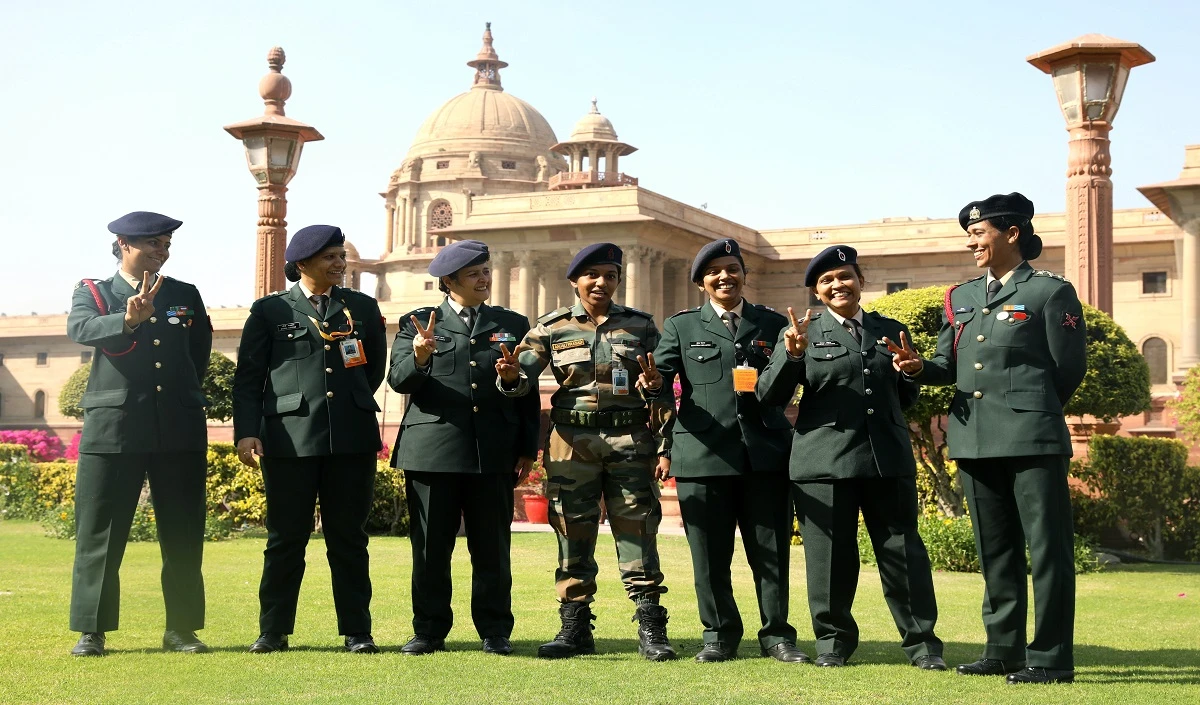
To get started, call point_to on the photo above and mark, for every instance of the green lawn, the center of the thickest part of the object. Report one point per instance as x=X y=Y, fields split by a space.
x=1138 y=639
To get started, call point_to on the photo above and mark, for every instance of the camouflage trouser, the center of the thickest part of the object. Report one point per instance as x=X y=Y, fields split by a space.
x=584 y=465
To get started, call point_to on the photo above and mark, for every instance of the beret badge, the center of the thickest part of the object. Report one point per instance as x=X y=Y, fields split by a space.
x=728 y=247
x=974 y=213
x=841 y=255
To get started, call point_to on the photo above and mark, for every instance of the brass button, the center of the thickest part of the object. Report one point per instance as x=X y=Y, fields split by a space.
x=828 y=356
x=870 y=411
x=156 y=341
x=472 y=341
x=475 y=408
x=866 y=372
x=986 y=311
x=978 y=395
x=870 y=392
x=328 y=370
x=979 y=365
x=699 y=357
x=157 y=365
x=290 y=335
x=158 y=388
x=474 y=386
x=154 y=319
x=326 y=346
x=473 y=363
x=864 y=353
x=980 y=338
x=329 y=394
x=325 y=324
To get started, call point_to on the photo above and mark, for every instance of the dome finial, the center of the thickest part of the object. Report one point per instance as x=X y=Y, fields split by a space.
x=275 y=88
x=487 y=63
x=595 y=110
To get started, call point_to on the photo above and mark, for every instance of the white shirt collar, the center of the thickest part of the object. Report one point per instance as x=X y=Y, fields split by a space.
x=308 y=294
x=134 y=282
x=458 y=308
x=736 y=310
x=1004 y=279
x=841 y=320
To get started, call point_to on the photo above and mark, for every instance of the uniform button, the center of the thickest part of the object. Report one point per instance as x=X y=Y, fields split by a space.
x=864 y=353
x=325 y=324
x=870 y=411
x=986 y=311
x=290 y=335
x=326 y=346
x=156 y=341
x=979 y=365
x=328 y=370
x=158 y=388
x=978 y=395
x=473 y=364
x=870 y=392
x=980 y=338
x=475 y=408
x=737 y=346
x=472 y=341
x=699 y=357
x=329 y=394
x=157 y=365
x=740 y=417
x=154 y=319
x=474 y=386
x=866 y=372
x=828 y=356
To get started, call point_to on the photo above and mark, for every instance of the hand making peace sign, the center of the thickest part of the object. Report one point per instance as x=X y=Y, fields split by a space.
x=140 y=306
x=507 y=367
x=796 y=337
x=904 y=358
x=424 y=344
x=650 y=379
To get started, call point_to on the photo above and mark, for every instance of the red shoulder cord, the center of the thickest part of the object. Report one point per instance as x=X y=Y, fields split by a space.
x=104 y=312
x=949 y=307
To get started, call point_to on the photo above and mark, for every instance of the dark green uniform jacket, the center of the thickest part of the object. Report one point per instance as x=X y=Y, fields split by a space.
x=716 y=428
x=143 y=395
x=850 y=423
x=291 y=389
x=457 y=420
x=1020 y=358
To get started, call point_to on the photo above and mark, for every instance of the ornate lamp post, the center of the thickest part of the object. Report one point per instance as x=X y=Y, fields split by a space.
x=1089 y=75
x=273 y=144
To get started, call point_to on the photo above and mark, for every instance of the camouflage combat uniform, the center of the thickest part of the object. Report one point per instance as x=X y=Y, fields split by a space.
x=600 y=445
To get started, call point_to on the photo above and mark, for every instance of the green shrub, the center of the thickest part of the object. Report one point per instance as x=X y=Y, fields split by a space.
x=72 y=392
x=217 y=386
x=1187 y=407
x=389 y=509
x=235 y=491
x=1117 y=382
x=18 y=483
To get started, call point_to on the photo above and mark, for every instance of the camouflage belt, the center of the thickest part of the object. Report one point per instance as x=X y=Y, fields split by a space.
x=600 y=419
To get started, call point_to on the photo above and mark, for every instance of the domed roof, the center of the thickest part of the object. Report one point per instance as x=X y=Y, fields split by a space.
x=351 y=251
x=594 y=127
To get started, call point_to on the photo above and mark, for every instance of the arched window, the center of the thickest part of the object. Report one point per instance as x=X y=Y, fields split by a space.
x=441 y=215
x=39 y=405
x=1155 y=352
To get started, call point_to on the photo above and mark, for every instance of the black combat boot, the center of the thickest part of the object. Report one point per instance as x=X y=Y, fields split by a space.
x=575 y=637
x=652 y=632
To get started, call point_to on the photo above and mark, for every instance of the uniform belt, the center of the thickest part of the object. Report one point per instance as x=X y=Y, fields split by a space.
x=600 y=419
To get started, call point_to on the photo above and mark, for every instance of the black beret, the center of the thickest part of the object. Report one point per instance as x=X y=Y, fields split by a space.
x=713 y=250
x=143 y=224
x=829 y=258
x=600 y=253
x=310 y=240
x=994 y=207
x=456 y=255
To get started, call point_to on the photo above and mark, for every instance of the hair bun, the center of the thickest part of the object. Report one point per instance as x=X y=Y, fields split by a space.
x=292 y=272
x=1032 y=248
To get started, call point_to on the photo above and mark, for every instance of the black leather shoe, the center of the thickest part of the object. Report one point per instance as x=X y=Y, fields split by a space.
x=715 y=652
x=422 y=644
x=499 y=645
x=1041 y=675
x=830 y=661
x=89 y=644
x=269 y=642
x=183 y=642
x=929 y=662
x=988 y=667
x=786 y=652
x=361 y=644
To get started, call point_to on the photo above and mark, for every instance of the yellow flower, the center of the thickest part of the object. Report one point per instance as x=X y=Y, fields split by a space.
x=63 y=515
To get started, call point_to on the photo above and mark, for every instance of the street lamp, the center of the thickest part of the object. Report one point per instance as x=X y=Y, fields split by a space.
x=273 y=144
x=1089 y=75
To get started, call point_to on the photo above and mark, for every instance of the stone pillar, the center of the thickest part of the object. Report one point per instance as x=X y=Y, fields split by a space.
x=594 y=160
x=402 y=220
x=683 y=287
x=610 y=162
x=654 y=275
x=547 y=297
x=1089 y=215
x=390 y=238
x=1189 y=353
x=635 y=276
x=272 y=239
x=501 y=278
x=528 y=285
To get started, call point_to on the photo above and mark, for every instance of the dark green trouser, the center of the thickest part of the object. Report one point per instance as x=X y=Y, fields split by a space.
x=1014 y=500
x=436 y=501
x=346 y=485
x=107 y=487
x=830 y=518
x=759 y=505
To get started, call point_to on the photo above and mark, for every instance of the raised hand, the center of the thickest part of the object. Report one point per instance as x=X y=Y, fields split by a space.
x=247 y=448
x=650 y=379
x=507 y=367
x=904 y=358
x=796 y=337
x=140 y=306
x=424 y=342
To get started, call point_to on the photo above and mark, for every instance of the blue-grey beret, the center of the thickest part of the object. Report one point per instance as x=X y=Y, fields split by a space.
x=829 y=258
x=713 y=250
x=599 y=253
x=994 y=207
x=143 y=224
x=456 y=255
x=310 y=240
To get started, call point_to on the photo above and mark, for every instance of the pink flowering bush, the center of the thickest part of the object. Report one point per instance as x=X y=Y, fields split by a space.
x=43 y=445
x=73 y=448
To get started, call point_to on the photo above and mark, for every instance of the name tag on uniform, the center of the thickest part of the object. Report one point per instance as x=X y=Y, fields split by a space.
x=352 y=352
x=702 y=344
x=826 y=344
x=572 y=356
x=568 y=344
x=288 y=326
x=744 y=378
x=964 y=309
x=442 y=338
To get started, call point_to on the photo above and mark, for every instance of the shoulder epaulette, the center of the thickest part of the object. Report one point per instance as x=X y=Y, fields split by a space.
x=555 y=315
x=423 y=309
x=501 y=309
x=638 y=312
x=686 y=310
x=764 y=307
x=815 y=316
x=981 y=276
x=273 y=294
x=1048 y=273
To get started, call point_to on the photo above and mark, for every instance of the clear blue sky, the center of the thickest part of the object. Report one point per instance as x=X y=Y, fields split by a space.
x=776 y=114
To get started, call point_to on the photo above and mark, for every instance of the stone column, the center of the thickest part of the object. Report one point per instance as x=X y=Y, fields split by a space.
x=635 y=276
x=657 y=307
x=272 y=239
x=390 y=239
x=402 y=221
x=683 y=287
x=528 y=285
x=1089 y=216
x=547 y=297
x=501 y=278
x=1189 y=353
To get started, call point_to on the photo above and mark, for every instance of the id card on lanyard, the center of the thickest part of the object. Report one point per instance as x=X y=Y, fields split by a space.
x=745 y=378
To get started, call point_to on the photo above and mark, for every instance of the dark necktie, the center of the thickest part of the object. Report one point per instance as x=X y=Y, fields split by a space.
x=468 y=316
x=321 y=303
x=731 y=321
x=994 y=287
x=853 y=327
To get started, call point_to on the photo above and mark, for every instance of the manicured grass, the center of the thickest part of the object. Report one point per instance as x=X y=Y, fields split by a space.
x=1138 y=639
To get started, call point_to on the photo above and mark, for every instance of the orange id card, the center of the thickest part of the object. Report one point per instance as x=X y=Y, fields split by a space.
x=744 y=379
